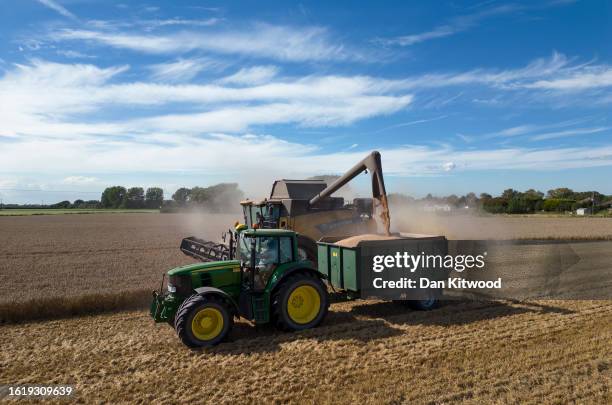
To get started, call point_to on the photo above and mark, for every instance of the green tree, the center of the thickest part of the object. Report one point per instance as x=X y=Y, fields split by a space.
x=560 y=193
x=61 y=204
x=135 y=198
x=533 y=194
x=471 y=200
x=181 y=195
x=495 y=205
x=509 y=194
x=113 y=197
x=154 y=197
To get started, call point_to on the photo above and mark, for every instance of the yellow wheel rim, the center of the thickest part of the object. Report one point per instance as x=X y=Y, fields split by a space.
x=207 y=323
x=304 y=304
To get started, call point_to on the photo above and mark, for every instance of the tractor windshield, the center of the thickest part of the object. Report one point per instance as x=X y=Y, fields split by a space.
x=244 y=249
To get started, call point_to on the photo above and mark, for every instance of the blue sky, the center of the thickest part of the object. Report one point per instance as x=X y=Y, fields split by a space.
x=457 y=96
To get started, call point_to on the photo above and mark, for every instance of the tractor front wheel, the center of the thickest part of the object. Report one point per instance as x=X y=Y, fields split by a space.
x=301 y=302
x=203 y=320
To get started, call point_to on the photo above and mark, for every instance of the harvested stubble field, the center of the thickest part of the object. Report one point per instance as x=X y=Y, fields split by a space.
x=365 y=352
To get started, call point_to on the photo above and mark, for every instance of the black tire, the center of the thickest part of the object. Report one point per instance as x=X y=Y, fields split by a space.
x=280 y=302
x=307 y=249
x=424 y=305
x=183 y=321
x=428 y=304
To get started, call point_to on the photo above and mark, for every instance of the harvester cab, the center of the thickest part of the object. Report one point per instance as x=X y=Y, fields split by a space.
x=265 y=282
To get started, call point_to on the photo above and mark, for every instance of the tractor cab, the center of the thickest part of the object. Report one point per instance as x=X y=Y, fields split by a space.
x=264 y=214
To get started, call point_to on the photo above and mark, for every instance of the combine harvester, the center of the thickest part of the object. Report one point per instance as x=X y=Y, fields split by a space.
x=263 y=274
x=307 y=207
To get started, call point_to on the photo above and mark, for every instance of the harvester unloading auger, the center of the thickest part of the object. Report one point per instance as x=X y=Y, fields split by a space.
x=307 y=207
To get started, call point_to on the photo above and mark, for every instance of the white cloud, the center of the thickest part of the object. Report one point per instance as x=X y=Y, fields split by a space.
x=79 y=180
x=180 y=70
x=568 y=133
x=458 y=24
x=448 y=166
x=240 y=118
x=75 y=54
x=151 y=24
x=261 y=40
x=505 y=79
x=43 y=99
x=209 y=154
x=53 y=5
x=464 y=22
x=588 y=78
x=251 y=75
x=526 y=129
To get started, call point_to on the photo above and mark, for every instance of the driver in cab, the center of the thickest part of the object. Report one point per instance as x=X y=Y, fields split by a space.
x=266 y=260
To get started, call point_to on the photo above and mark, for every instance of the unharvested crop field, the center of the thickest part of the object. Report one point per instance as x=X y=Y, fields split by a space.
x=68 y=264
x=73 y=264
x=502 y=226
x=365 y=352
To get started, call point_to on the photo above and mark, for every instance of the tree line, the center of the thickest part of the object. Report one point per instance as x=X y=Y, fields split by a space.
x=512 y=201
x=219 y=197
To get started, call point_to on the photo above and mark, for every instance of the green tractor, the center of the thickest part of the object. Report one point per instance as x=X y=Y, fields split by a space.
x=264 y=281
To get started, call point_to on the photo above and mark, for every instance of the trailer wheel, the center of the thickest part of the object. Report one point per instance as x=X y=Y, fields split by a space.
x=423 y=305
x=429 y=303
x=203 y=320
x=301 y=302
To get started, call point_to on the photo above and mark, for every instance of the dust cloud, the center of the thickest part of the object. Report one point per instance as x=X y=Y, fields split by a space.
x=464 y=224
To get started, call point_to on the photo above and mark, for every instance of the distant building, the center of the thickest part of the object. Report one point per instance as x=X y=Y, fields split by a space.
x=583 y=211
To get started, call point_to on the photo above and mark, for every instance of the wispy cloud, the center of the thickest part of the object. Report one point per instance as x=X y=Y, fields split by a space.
x=261 y=40
x=464 y=22
x=47 y=99
x=209 y=154
x=588 y=78
x=53 y=5
x=409 y=123
x=456 y=25
x=79 y=180
x=568 y=133
x=74 y=54
x=181 y=70
x=556 y=64
x=151 y=24
x=251 y=75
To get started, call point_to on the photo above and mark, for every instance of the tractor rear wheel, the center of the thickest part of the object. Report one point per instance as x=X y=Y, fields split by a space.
x=203 y=320
x=301 y=302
